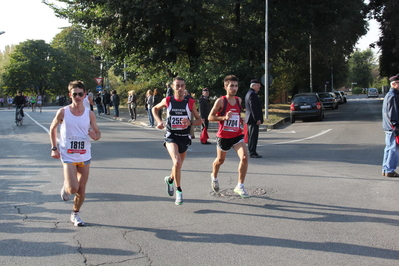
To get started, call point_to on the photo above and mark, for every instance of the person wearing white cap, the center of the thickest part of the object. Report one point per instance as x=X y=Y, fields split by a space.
x=390 y=124
x=253 y=117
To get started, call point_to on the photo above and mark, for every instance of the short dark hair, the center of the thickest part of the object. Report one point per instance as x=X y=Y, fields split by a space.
x=229 y=78
x=178 y=78
x=76 y=84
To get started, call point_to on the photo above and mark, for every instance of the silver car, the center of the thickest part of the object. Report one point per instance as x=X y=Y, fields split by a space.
x=372 y=92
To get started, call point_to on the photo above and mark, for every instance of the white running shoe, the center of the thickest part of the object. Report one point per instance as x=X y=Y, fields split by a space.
x=64 y=194
x=241 y=191
x=214 y=185
x=76 y=220
x=179 y=198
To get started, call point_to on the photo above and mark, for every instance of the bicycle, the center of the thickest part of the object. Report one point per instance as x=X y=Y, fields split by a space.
x=18 y=116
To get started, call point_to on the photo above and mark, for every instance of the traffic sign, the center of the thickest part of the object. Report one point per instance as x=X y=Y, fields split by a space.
x=99 y=88
x=98 y=80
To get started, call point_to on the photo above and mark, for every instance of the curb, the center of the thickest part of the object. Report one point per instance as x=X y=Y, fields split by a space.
x=213 y=126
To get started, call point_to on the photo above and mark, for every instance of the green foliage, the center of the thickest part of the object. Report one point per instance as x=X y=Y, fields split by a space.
x=357 y=90
x=30 y=67
x=361 y=65
x=203 y=41
x=385 y=12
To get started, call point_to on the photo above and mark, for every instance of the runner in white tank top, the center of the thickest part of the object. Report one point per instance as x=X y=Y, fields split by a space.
x=74 y=141
x=78 y=125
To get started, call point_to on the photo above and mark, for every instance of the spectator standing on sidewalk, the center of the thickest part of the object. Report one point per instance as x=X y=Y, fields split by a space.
x=157 y=99
x=226 y=111
x=115 y=103
x=253 y=117
x=97 y=101
x=177 y=137
x=205 y=108
x=78 y=125
x=169 y=90
x=131 y=105
x=390 y=124
x=106 y=99
x=149 y=103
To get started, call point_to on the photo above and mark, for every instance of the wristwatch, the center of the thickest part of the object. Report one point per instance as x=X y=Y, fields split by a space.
x=54 y=148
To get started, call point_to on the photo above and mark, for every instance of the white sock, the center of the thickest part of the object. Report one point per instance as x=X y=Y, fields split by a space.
x=241 y=185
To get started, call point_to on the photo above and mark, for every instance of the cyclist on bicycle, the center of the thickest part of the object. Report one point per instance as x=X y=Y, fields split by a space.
x=19 y=102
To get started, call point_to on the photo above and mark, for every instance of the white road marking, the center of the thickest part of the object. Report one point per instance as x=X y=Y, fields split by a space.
x=298 y=140
x=45 y=129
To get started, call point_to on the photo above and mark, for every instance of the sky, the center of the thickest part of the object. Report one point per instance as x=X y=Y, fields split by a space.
x=28 y=19
x=31 y=19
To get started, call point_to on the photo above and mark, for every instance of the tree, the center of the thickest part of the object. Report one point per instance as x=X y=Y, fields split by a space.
x=75 y=55
x=4 y=60
x=30 y=67
x=385 y=12
x=205 y=40
x=361 y=65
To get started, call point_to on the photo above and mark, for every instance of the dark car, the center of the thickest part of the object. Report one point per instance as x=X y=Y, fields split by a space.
x=306 y=105
x=328 y=99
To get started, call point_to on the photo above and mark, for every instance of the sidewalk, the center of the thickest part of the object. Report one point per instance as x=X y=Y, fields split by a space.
x=142 y=119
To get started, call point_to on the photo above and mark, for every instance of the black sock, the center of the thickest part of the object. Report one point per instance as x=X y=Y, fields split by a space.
x=178 y=189
x=170 y=180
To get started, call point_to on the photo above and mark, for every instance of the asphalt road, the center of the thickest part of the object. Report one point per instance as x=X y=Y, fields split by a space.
x=318 y=198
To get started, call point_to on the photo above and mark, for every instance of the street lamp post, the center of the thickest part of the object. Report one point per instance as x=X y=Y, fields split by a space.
x=266 y=60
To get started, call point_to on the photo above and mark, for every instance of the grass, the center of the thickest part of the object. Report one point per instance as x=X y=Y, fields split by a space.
x=276 y=112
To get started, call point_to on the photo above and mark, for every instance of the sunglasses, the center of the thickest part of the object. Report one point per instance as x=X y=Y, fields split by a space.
x=79 y=93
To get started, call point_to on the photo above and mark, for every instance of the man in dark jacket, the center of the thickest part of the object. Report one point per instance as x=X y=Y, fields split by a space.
x=253 y=117
x=106 y=101
x=205 y=109
x=390 y=124
x=19 y=102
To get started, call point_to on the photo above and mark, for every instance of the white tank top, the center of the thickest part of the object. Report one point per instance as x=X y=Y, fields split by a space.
x=74 y=139
x=86 y=102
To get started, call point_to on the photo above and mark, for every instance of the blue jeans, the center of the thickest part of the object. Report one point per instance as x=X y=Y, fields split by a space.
x=391 y=153
x=150 y=117
x=116 y=110
x=100 y=108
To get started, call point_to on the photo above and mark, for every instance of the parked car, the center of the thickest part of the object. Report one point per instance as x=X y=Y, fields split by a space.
x=339 y=96
x=372 y=92
x=343 y=95
x=328 y=99
x=306 y=105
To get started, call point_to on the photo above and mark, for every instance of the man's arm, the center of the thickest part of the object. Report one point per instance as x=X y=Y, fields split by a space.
x=216 y=108
x=53 y=132
x=155 y=110
x=198 y=120
x=254 y=107
x=94 y=133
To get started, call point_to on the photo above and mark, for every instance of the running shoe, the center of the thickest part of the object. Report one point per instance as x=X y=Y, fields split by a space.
x=241 y=191
x=169 y=186
x=179 y=198
x=64 y=194
x=76 y=220
x=214 y=185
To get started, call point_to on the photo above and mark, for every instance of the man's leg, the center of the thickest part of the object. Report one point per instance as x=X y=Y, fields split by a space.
x=242 y=153
x=253 y=133
x=220 y=157
x=177 y=159
x=83 y=177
